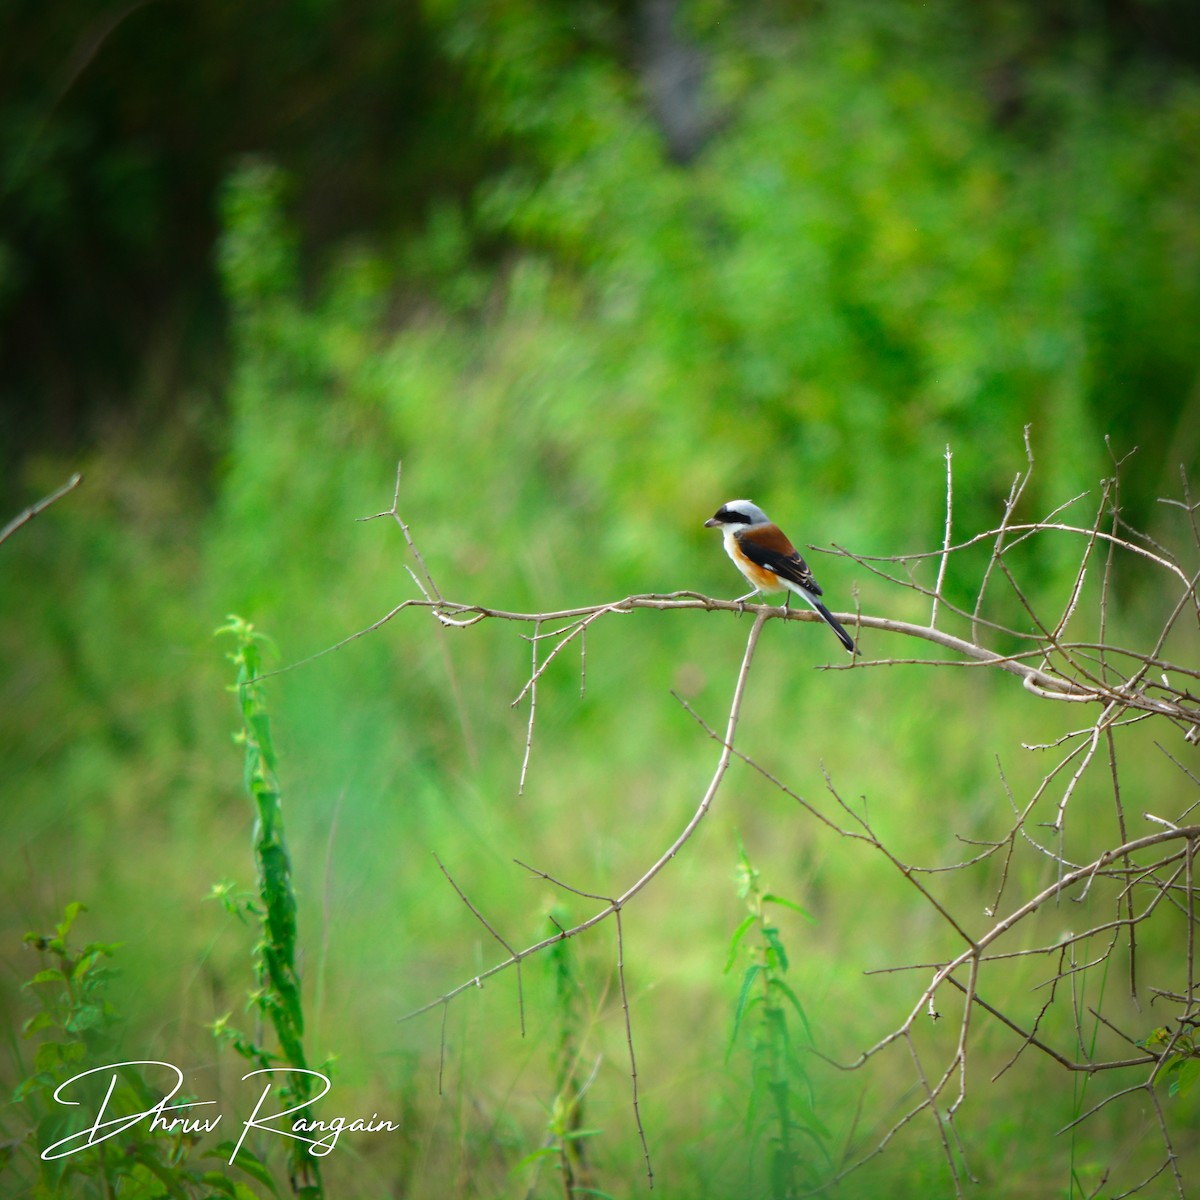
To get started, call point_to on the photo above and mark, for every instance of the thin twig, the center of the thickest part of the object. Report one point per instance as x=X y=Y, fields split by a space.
x=515 y=956
x=941 y=575
x=633 y=1073
x=24 y=517
x=532 y=689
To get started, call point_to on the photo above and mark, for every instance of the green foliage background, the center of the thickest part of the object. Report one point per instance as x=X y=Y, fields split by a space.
x=911 y=226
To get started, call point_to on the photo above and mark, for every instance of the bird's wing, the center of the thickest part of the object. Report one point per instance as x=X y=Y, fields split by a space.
x=768 y=547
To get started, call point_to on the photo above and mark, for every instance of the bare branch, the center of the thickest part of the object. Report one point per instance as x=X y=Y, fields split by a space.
x=1136 y=880
x=941 y=575
x=531 y=688
x=27 y=515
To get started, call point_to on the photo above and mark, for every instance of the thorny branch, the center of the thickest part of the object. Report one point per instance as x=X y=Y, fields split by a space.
x=1055 y=659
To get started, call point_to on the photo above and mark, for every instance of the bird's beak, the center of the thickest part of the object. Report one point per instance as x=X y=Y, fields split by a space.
x=711 y=522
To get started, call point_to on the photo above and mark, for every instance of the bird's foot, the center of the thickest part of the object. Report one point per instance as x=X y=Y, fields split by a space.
x=741 y=601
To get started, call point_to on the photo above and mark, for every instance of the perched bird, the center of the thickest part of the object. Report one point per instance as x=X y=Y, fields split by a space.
x=762 y=553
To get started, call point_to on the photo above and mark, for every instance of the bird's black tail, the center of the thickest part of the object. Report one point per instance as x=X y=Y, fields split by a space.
x=832 y=622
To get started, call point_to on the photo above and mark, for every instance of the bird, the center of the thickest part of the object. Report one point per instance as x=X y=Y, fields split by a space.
x=770 y=563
